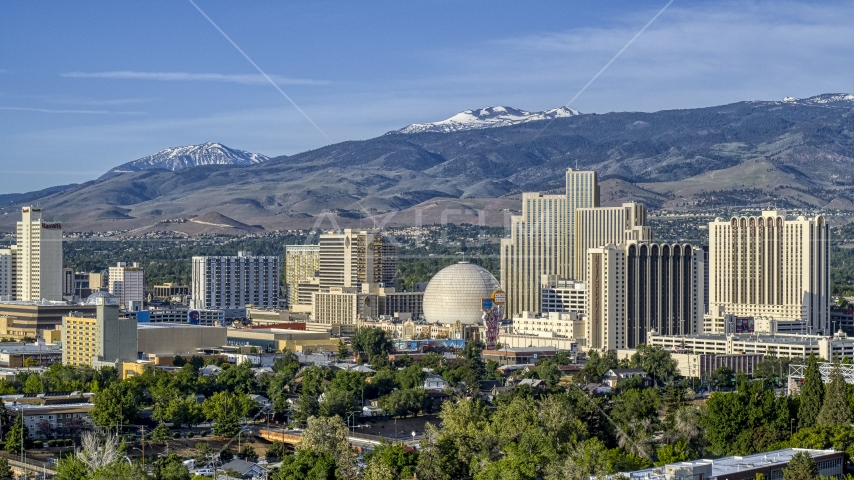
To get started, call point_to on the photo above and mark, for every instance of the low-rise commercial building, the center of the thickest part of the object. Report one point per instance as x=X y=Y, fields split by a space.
x=17 y=355
x=560 y=324
x=541 y=341
x=275 y=339
x=178 y=338
x=63 y=413
x=518 y=356
x=22 y=319
x=780 y=345
x=748 y=467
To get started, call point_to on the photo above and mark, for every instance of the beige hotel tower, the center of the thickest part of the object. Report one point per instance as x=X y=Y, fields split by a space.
x=541 y=240
x=37 y=257
x=770 y=266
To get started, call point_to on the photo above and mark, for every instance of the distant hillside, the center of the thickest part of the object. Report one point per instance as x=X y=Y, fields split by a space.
x=787 y=153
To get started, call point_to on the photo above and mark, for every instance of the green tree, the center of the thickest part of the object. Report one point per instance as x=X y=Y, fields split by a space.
x=70 y=468
x=33 y=384
x=411 y=377
x=120 y=469
x=677 y=452
x=655 y=361
x=160 y=434
x=306 y=465
x=343 y=351
x=184 y=410
x=170 y=468
x=835 y=409
x=337 y=401
x=400 y=460
x=373 y=341
x=812 y=394
x=17 y=437
x=597 y=365
x=275 y=451
x=404 y=402
x=247 y=452
x=723 y=376
x=329 y=436
x=226 y=409
x=801 y=467
x=118 y=403
x=6 y=472
x=587 y=459
x=438 y=458
x=203 y=453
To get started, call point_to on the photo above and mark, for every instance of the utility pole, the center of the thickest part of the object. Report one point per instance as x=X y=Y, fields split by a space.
x=142 y=428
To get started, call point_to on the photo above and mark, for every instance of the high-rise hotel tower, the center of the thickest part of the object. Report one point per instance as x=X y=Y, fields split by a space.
x=770 y=266
x=37 y=257
x=541 y=240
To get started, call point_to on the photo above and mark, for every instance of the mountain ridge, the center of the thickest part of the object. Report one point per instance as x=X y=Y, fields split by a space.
x=791 y=154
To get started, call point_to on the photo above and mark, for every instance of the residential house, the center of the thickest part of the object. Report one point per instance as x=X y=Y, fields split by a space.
x=245 y=469
x=435 y=382
x=616 y=375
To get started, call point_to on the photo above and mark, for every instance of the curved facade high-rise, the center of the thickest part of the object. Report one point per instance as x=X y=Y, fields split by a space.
x=770 y=266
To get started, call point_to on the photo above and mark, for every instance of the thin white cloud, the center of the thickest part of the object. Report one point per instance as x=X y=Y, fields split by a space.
x=245 y=79
x=88 y=112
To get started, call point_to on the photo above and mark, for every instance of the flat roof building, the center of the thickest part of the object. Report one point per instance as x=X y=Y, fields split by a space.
x=178 y=338
x=747 y=467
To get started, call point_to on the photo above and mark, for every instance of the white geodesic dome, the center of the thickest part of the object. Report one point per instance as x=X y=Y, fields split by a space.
x=455 y=293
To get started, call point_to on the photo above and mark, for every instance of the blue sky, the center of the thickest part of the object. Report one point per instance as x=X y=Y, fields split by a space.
x=85 y=86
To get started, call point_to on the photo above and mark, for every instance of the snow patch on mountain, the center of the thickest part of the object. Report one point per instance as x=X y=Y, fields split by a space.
x=488 y=118
x=179 y=158
x=823 y=99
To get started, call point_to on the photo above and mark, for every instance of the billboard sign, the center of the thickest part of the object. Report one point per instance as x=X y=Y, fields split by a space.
x=499 y=297
x=486 y=304
x=193 y=317
x=744 y=325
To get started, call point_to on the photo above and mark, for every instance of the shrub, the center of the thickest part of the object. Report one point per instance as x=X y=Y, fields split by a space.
x=190 y=434
x=203 y=433
x=176 y=435
x=37 y=444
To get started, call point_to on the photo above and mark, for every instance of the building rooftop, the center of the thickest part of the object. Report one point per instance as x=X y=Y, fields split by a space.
x=48 y=348
x=725 y=466
x=166 y=325
x=36 y=303
x=759 y=337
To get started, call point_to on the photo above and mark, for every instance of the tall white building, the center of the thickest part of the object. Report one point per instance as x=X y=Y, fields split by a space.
x=596 y=227
x=7 y=274
x=770 y=266
x=641 y=287
x=302 y=264
x=232 y=283
x=606 y=300
x=354 y=257
x=562 y=296
x=541 y=240
x=37 y=257
x=127 y=283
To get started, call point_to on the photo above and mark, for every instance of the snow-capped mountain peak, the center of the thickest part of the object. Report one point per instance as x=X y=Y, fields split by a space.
x=179 y=158
x=487 y=118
